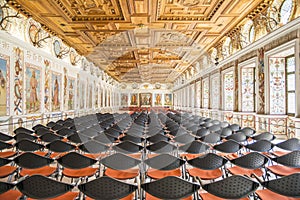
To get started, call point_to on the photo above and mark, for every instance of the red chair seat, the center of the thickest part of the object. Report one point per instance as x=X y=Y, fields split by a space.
x=269 y=195
x=158 y=174
x=7 y=154
x=281 y=170
x=205 y=174
x=77 y=173
x=46 y=171
x=236 y=170
x=6 y=171
x=122 y=174
x=11 y=195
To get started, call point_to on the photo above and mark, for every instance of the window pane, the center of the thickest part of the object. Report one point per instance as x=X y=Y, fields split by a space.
x=291 y=82
x=205 y=93
x=290 y=64
x=248 y=89
x=228 y=91
x=291 y=103
x=285 y=11
x=277 y=85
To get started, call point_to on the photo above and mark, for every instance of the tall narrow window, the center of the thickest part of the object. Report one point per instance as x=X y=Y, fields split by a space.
x=215 y=93
x=198 y=94
x=205 y=93
x=286 y=11
x=290 y=85
x=228 y=91
x=277 y=85
x=247 y=92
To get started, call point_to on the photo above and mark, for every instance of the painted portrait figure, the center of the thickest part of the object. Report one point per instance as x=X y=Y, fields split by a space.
x=33 y=82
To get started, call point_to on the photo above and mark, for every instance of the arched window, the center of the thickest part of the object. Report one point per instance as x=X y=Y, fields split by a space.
x=286 y=9
x=251 y=34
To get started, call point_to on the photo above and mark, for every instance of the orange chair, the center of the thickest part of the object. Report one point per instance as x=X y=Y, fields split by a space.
x=77 y=165
x=32 y=163
x=6 y=170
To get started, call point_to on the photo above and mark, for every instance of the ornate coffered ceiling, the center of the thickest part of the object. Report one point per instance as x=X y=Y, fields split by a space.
x=139 y=40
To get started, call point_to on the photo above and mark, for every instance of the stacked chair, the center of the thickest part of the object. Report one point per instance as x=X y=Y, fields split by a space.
x=147 y=155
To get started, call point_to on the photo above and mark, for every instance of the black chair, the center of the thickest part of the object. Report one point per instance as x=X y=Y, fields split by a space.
x=234 y=127
x=32 y=163
x=292 y=144
x=42 y=130
x=248 y=131
x=58 y=147
x=251 y=163
x=78 y=138
x=161 y=147
x=127 y=147
x=232 y=187
x=50 y=137
x=226 y=132
x=211 y=138
x=23 y=130
x=121 y=166
x=4 y=137
x=260 y=146
x=93 y=147
x=228 y=147
x=105 y=138
x=288 y=186
x=202 y=132
x=65 y=132
x=207 y=167
x=4 y=146
x=194 y=147
x=264 y=136
x=157 y=138
x=21 y=136
x=239 y=137
x=287 y=164
x=41 y=187
x=39 y=126
x=77 y=166
x=185 y=138
x=7 y=192
x=107 y=188
x=28 y=145
x=133 y=139
x=170 y=187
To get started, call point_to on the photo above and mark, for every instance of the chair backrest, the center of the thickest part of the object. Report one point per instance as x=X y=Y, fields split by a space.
x=264 y=136
x=233 y=187
x=93 y=147
x=21 y=136
x=4 y=145
x=239 y=137
x=164 y=162
x=74 y=160
x=4 y=137
x=211 y=138
x=119 y=161
x=287 y=185
x=185 y=138
x=127 y=147
x=50 y=137
x=161 y=147
x=41 y=187
x=202 y=132
x=208 y=161
x=229 y=146
x=22 y=130
x=252 y=160
x=170 y=187
x=42 y=130
x=60 y=146
x=194 y=147
x=4 y=161
x=27 y=145
x=4 y=187
x=31 y=160
x=292 y=144
x=248 y=131
x=291 y=159
x=107 y=188
x=157 y=137
x=105 y=138
x=260 y=146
